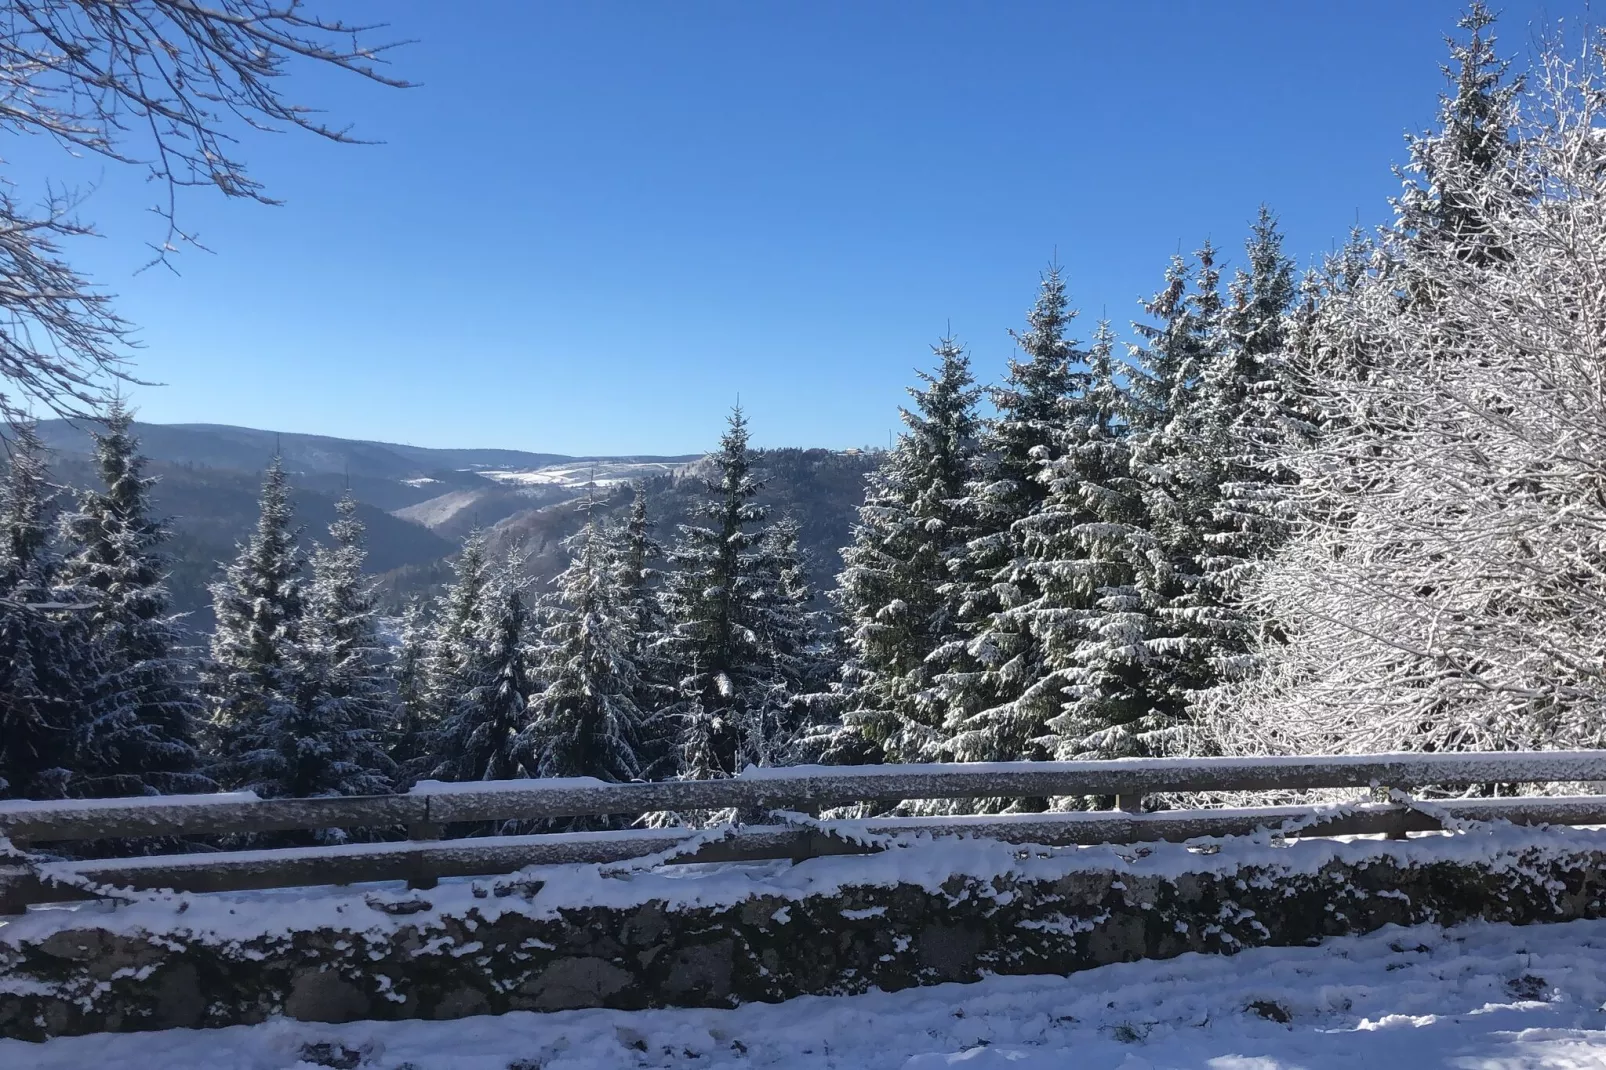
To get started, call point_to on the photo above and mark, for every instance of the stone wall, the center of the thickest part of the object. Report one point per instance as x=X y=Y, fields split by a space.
x=521 y=946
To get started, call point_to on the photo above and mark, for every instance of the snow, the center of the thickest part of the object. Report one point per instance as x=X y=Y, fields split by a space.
x=1478 y=997
x=1537 y=766
x=117 y=807
x=923 y=861
x=578 y=474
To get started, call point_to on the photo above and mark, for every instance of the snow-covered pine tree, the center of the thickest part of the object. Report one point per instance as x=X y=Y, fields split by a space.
x=714 y=604
x=346 y=696
x=459 y=629
x=479 y=735
x=1440 y=204
x=1248 y=405
x=140 y=739
x=1174 y=451
x=993 y=683
x=584 y=721
x=789 y=635
x=409 y=737
x=893 y=591
x=250 y=679
x=641 y=578
x=45 y=656
x=1089 y=545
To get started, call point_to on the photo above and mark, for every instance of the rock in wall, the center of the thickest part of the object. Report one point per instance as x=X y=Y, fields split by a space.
x=918 y=915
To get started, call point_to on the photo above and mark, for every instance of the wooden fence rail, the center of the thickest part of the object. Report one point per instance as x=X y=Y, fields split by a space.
x=430 y=807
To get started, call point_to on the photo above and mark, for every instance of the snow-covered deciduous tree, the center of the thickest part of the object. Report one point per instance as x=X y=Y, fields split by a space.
x=1447 y=573
x=142 y=716
x=894 y=591
x=164 y=86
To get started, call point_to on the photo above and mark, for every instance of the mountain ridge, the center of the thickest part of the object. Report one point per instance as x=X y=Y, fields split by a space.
x=418 y=502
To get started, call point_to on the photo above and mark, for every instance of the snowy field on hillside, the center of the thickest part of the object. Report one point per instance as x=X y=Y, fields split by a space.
x=1479 y=997
x=578 y=474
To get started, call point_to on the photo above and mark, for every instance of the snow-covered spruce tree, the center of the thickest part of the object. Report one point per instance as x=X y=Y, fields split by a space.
x=1448 y=571
x=140 y=739
x=409 y=736
x=296 y=675
x=892 y=591
x=1249 y=403
x=584 y=721
x=458 y=633
x=1175 y=452
x=45 y=655
x=346 y=695
x=993 y=683
x=480 y=733
x=249 y=680
x=718 y=607
x=1088 y=547
x=641 y=578
x=1441 y=205
x=790 y=636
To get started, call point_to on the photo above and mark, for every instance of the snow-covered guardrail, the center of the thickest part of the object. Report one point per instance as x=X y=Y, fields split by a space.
x=429 y=811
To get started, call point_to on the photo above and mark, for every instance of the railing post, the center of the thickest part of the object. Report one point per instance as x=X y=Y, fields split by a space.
x=422 y=832
x=1397 y=831
x=1129 y=804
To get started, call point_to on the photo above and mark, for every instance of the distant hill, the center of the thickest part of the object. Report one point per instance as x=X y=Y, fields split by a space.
x=418 y=503
x=248 y=449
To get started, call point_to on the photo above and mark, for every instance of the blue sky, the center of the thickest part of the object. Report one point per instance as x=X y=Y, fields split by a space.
x=594 y=225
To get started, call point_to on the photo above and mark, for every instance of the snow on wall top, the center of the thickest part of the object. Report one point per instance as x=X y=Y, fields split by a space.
x=921 y=860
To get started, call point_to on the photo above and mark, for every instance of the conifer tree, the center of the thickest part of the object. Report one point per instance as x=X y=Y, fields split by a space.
x=788 y=633
x=641 y=579
x=1440 y=204
x=894 y=588
x=459 y=629
x=44 y=653
x=1249 y=405
x=1089 y=543
x=479 y=737
x=717 y=602
x=346 y=693
x=994 y=683
x=294 y=675
x=585 y=721
x=409 y=738
x=1173 y=460
x=250 y=678
x=142 y=718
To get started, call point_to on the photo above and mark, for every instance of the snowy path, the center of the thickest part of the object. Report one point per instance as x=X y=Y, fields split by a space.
x=1484 y=997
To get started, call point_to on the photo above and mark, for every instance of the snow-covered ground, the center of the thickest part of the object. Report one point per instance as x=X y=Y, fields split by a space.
x=1480 y=997
x=578 y=474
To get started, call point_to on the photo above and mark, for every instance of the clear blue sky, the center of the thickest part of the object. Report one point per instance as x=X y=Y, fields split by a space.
x=595 y=224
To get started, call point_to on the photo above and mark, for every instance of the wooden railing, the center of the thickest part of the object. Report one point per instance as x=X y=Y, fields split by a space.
x=431 y=809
